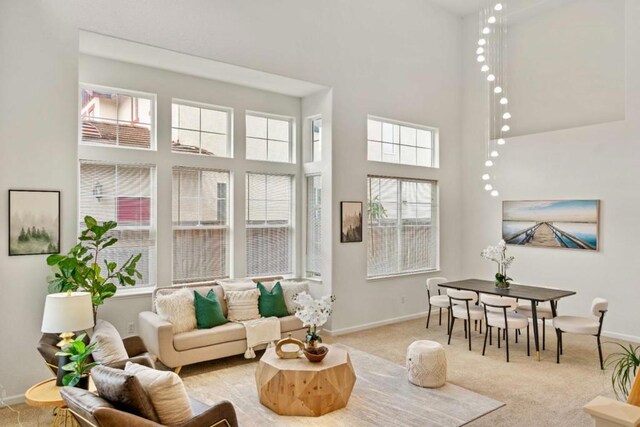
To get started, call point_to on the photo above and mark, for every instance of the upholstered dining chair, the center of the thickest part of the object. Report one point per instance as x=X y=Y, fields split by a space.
x=437 y=299
x=582 y=326
x=543 y=312
x=463 y=306
x=500 y=313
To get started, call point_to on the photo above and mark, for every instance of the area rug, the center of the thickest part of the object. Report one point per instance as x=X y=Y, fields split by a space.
x=382 y=396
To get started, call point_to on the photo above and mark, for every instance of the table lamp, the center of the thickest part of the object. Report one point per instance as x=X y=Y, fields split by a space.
x=66 y=312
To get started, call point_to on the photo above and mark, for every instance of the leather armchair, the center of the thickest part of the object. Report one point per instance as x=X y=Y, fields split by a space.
x=93 y=411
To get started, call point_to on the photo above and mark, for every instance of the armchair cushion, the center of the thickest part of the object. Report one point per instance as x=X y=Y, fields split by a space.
x=206 y=416
x=109 y=346
x=124 y=391
x=167 y=393
x=83 y=404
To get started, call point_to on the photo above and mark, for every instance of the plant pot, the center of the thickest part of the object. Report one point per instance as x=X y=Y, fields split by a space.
x=316 y=354
x=83 y=383
x=502 y=285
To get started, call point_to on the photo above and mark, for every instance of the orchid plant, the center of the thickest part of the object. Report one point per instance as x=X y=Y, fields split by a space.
x=313 y=313
x=498 y=254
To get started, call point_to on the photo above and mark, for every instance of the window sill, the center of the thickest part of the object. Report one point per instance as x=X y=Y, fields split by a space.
x=393 y=276
x=313 y=279
x=133 y=293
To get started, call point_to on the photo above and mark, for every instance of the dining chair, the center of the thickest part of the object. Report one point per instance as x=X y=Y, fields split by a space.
x=543 y=312
x=437 y=299
x=463 y=306
x=499 y=312
x=582 y=326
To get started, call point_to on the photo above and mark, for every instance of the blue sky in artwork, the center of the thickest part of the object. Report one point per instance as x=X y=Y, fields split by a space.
x=555 y=210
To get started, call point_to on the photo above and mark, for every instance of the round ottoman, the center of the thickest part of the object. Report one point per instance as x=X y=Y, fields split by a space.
x=426 y=364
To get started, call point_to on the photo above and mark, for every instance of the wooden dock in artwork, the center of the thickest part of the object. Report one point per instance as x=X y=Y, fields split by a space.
x=547 y=235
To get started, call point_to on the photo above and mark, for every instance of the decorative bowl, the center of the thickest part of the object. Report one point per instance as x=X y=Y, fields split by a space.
x=316 y=355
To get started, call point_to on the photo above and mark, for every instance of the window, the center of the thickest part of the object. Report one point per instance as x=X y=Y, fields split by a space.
x=402 y=236
x=316 y=139
x=400 y=143
x=314 y=225
x=113 y=118
x=200 y=228
x=200 y=129
x=125 y=194
x=269 y=212
x=269 y=138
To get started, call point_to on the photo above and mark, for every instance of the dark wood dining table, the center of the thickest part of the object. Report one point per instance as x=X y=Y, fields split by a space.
x=535 y=294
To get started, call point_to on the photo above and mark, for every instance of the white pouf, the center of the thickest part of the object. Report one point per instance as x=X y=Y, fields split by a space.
x=426 y=364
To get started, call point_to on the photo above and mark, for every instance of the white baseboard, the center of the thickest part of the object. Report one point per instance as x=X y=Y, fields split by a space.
x=623 y=337
x=379 y=323
x=12 y=400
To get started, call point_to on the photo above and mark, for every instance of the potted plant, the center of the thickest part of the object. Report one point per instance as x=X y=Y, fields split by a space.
x=498 y=254
x=314 y=313
x=78 y=367
x=625 y=368
x=79 y=269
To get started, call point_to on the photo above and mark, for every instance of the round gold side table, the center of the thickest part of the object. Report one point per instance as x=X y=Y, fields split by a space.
x=47 y=394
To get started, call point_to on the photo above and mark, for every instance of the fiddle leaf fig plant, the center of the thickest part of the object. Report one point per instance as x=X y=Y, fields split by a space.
x=78 y=352
x=79 y=270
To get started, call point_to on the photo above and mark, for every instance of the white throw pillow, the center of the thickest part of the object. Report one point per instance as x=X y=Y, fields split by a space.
x=231 y=285
x=178 y=309
x=242 y=305
x=166 y=391
x=290 y=290
x=109 y=346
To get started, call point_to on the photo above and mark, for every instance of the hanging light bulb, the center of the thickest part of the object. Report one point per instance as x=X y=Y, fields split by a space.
x=488 y=187
x=491 y=77
x=491 y=20
x=495 y=193
x=505 y=128
x=497 y=89
x=501 y=141
x=498 y=7
x=494 y=153
x=486 y=177
x=482 y=42
x=486 y=30
x=480 y=51
x=488 y=163
x=481 y=58
x=506 y=116
x=504 y=101
x=484 y=68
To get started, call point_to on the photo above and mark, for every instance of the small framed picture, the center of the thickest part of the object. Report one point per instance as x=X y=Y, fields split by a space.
x=350 y=222
x=34 y=222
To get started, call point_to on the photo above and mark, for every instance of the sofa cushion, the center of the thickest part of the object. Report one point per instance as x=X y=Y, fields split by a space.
x=109 y=345
x=290 y=290
x=124 y=391
x=208 y=310
x=202 y=288
x=167 y=393
x=178 y=309
x=243 y=305
x=207 y=337
x=271 y=303
x=290 y=323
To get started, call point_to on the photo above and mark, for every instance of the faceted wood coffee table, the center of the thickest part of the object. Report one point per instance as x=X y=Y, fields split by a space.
x=299 y=387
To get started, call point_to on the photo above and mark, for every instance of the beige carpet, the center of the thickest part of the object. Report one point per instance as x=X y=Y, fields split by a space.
x=535 y=393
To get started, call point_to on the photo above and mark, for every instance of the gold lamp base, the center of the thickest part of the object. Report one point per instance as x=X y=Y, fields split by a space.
x=66 y=339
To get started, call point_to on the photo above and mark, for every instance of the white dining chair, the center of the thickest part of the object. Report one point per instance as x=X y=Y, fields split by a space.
x=582 y=326
x=500 y=313
x=437 y=298
x=463 y=306
x=543 y=313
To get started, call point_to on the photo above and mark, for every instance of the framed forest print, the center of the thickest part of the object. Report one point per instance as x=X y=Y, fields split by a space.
x=34 y=222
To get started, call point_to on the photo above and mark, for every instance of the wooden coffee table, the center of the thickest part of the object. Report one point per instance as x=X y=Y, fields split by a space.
x=47 y=394
x=299 y=387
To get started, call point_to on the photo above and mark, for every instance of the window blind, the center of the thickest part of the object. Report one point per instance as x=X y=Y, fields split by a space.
x=269 y=210
x=314 y=225
x=125 y=194
x=200 y=224
x=402 y=232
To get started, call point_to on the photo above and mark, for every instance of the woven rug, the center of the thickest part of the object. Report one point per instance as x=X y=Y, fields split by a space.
x=382 y=396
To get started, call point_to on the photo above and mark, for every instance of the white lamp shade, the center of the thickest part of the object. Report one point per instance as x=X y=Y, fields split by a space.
x=67 y=312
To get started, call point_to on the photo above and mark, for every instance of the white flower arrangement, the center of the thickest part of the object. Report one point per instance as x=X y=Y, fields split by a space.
x=498 y=254
x=313 y=312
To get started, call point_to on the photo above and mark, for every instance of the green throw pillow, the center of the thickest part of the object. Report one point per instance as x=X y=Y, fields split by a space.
x=208 y=310
x=272 y=303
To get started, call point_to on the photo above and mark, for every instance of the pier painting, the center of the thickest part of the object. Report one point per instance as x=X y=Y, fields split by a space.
x=569 y=224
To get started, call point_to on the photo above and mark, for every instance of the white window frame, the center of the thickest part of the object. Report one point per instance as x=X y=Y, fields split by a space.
x=292 y=135
x=307 y=273
x=202 y=105
x=435 y=138
x=312 y=120
x=138 y=94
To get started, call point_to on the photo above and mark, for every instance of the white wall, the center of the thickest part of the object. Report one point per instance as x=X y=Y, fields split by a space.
x=591 y=162
x=395 y=59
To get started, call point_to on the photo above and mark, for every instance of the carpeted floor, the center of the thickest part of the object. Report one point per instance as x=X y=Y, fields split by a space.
x=536 y=393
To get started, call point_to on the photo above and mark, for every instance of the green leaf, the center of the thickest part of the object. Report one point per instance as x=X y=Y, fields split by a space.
x=71 y=380
x=54 y=259
x=90 y=222
x=110 y=242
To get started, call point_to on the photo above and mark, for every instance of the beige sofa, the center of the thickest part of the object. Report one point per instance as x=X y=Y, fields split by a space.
x=199 y=345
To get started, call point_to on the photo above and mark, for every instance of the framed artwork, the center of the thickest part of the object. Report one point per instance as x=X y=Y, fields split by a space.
x=350 y=222
x=34 y=222
x=565 y=224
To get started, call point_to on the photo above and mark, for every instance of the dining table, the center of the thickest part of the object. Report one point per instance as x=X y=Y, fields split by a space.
x=535 y=294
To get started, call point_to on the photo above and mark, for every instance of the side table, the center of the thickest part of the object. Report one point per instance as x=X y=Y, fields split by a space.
x=47 y=394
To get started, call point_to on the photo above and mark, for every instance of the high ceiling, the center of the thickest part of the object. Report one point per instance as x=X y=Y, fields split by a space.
x=461 y=7
x=467 y=7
